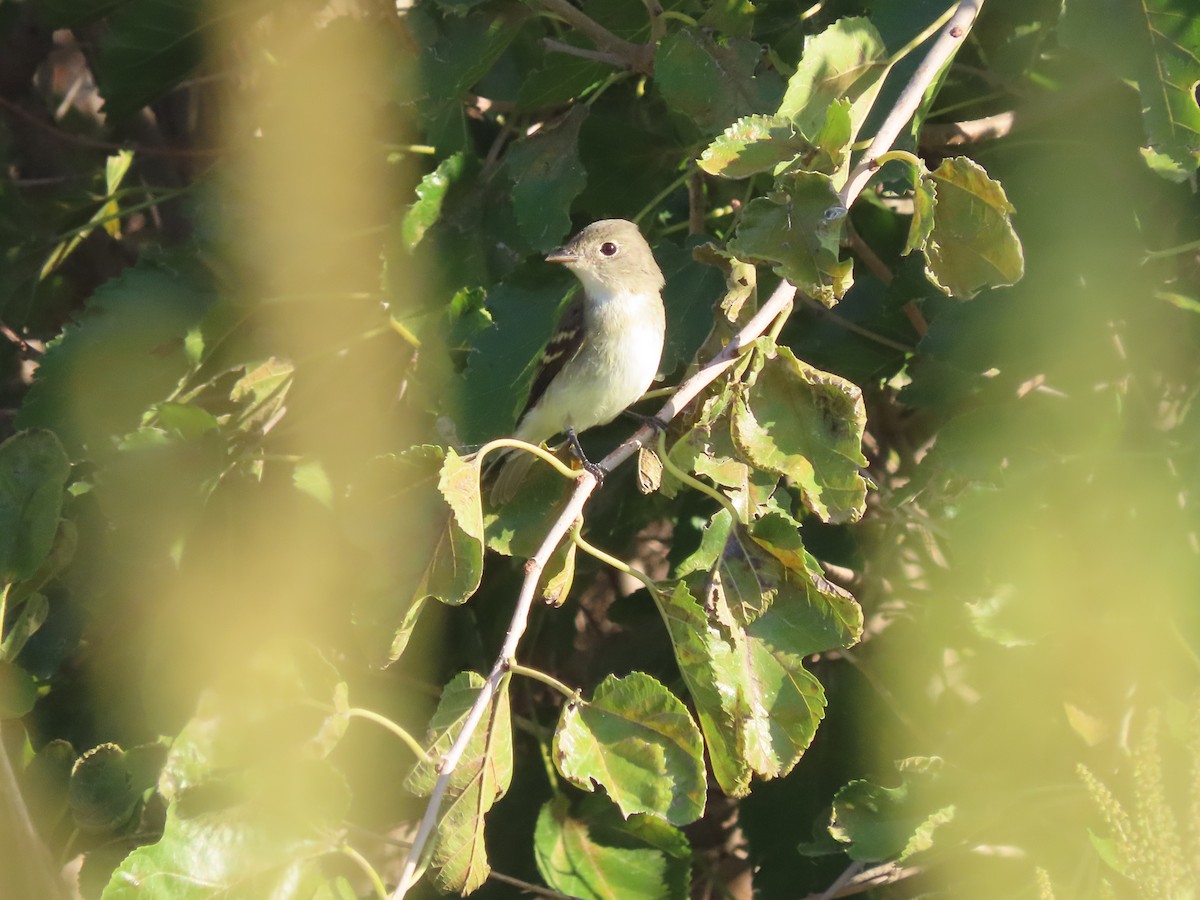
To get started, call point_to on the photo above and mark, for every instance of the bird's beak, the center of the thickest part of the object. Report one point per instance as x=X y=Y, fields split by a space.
x=562 y=255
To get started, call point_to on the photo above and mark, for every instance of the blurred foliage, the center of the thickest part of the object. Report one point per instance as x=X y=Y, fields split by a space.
x=271 y=271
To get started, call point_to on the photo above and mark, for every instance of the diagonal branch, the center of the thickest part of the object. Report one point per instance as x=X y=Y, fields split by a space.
x=953 y=32
x=943 y=48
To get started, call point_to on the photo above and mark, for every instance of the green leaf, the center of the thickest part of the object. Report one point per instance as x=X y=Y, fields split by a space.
x=797 y=421
x=753 y=144
x=884 y=823
x=33 y=471
x=481 y=778
x=148 y=48
x=547 y=175
x=102 y=793
x=1156 y=44
x=709 y=83
x=637 y=740
x=924 y=206
x=594 y=854
x=431 y=194
x=845 y=61
x=798 y=232
x=18 y=691
x=124 y=354
x=972 y=244
x=262 y=393
x=457 y=57
x=558 y=80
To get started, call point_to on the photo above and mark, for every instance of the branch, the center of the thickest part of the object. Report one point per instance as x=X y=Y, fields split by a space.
x=910 y=98
x=780 y=299
x=639 y=57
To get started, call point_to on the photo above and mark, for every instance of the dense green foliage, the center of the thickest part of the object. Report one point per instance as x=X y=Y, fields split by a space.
x=901 y=602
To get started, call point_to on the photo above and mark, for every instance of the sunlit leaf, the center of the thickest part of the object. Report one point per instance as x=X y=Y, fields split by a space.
x=591 y=852
x=972 y=244
x=638 y=741
x=480 y=779
x=797 y=421
x=845 y=61
x=431 y=194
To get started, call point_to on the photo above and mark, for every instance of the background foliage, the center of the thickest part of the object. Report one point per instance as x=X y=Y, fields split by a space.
x=270 y=269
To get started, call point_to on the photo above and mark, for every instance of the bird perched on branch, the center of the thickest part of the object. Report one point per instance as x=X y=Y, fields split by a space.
x=606 y=349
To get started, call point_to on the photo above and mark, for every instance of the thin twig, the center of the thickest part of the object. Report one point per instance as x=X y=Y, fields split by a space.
x=516 y=628
x=602 y=56
x=779 y=300
x=635 y=56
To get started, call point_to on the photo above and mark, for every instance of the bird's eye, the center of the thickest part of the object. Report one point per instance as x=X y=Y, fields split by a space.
x=608 y=248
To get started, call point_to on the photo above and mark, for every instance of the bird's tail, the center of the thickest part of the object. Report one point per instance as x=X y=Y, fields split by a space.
x=506 y=474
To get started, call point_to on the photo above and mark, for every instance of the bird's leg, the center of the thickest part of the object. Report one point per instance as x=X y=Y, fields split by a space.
x=598 y=472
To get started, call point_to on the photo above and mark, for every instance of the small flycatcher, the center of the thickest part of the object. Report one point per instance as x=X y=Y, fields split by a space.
x=606 y=350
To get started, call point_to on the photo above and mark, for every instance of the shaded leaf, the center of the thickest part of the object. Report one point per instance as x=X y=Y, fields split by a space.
x=547 y=175
x=637 y=740
x=594 y=854
x=33 y=471
x=426 y=500
x=711 y=84
x=124 y=354
x=102 y=793
x=148 y=48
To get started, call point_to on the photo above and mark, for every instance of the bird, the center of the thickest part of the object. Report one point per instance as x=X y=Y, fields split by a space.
x=605 y=351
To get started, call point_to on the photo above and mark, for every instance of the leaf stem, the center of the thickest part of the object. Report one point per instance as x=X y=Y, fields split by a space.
x=537 y=675
x=694 y=483
x=367 y=869
x=662 y=195
x=371 y=716
x=611 y=560
x=540 y=452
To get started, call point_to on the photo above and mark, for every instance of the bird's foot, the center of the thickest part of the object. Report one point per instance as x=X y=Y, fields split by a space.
x=594 y=469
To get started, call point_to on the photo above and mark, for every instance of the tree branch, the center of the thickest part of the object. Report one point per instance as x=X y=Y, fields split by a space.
x=943 y=48
x=780 y=298
x=639 y=57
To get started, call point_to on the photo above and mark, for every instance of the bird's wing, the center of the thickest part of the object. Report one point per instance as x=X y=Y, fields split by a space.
x=563 y=347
